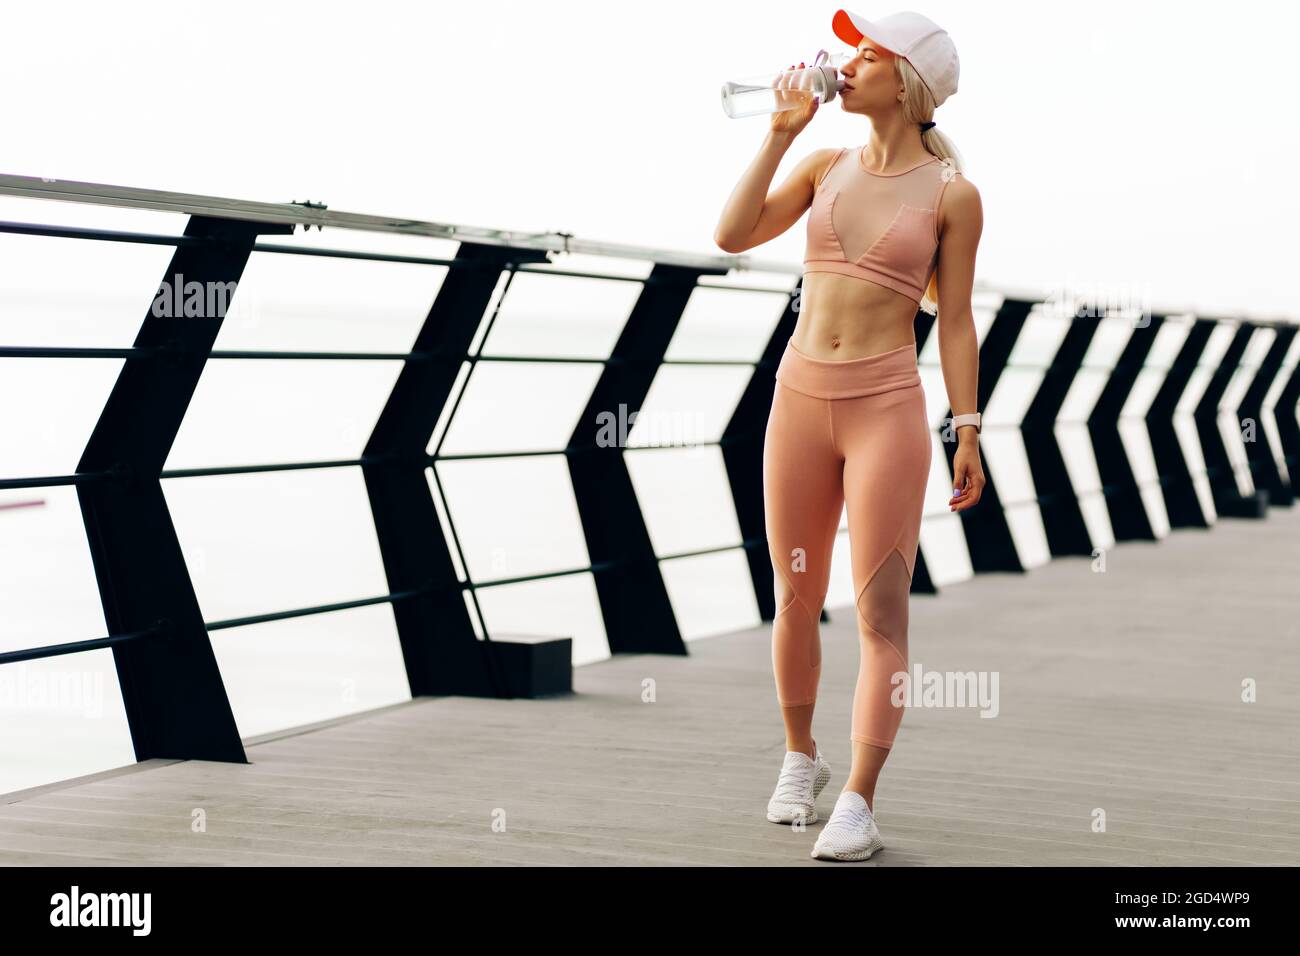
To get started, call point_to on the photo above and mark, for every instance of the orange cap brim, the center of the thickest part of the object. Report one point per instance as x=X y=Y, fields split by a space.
x=844 y=28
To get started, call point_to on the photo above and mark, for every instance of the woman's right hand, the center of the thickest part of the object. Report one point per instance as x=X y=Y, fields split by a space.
x=796 y=88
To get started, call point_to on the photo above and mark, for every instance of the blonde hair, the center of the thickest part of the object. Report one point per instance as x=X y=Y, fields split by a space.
x=918 y=108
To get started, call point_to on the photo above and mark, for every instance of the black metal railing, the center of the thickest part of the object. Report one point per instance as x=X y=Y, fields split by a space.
x=174 y=698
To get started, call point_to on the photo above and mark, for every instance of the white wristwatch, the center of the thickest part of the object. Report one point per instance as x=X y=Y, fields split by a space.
x=971 y=418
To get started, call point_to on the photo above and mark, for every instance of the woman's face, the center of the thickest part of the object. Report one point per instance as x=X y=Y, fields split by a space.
x=871 y=81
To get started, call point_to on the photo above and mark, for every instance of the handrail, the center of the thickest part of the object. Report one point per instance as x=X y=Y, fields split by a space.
x=316 y=214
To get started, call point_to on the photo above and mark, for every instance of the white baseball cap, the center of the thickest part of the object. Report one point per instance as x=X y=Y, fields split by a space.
x=917 y=39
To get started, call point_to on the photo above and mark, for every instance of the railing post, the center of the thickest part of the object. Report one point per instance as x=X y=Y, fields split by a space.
x=742 y=454
x=1182 y=505
x=923 y=326
x=440 y=649
x=175 y=700
x=1228 y=499
x=634 y=603
x=992 y=548
x=1063 y=521
x=1288 y=427
x=1129 y=520
x=1263 y=465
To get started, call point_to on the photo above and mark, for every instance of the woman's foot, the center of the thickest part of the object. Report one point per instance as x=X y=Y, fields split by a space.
x=802 y=779
x=850 y=833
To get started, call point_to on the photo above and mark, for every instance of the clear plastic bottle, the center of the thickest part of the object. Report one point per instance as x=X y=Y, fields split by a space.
x=767 y=93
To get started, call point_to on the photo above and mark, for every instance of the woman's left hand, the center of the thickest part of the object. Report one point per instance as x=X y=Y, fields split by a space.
x=968 y=477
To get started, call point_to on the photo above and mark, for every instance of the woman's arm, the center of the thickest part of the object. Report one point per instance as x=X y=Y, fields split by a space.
x=963 y=222
x=752 y=216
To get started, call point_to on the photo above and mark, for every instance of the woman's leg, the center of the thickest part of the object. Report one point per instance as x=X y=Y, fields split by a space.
x=886 y=443
x=803 y=500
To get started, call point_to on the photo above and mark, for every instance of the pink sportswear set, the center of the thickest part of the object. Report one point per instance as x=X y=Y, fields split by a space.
x=853 y=434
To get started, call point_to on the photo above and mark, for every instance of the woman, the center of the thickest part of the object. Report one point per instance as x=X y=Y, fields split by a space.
x=893 y=226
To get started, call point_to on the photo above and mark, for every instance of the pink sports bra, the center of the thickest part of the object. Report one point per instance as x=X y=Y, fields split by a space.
x=882 y=227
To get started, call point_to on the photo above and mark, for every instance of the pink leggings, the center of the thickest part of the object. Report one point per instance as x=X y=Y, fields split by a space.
x=852 y=432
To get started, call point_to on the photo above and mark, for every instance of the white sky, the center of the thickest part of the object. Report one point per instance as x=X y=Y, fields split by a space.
x=1140 y=147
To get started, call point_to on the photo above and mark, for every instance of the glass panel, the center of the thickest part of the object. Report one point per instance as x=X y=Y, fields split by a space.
x=1040 y=338
x=75 y=292
x=727 y=324
x=318 y=303
x=48 y=591
x=947 y=554
x=302 y=670
x=1025 y=522
x=50 y=409
x=61 y=717
x=1169 y=341
x=567 y=606
x=1137 y=449
x=689 y=404
x=269 y=411
x=561 y=316
x=1096 y=517
x=685 y=498
x=1145 y=389
x=514 y=516
x=1075 y=443
x=520 y=406
x=1003 y=452
x=1108 y=343
x=1012 y=397
x=711 y=594
x=276 y=541
x=1084 y=391
x=1074 y=439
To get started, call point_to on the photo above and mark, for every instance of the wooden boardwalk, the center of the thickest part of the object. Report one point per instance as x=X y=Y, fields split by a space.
x=1119 y=691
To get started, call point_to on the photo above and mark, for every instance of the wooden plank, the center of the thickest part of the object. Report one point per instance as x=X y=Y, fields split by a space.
x=1118 y=690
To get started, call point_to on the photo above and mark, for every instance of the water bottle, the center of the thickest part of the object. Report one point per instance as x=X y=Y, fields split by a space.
x=784 y=89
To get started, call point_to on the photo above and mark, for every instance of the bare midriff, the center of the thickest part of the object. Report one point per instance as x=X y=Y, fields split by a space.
x=844 y=317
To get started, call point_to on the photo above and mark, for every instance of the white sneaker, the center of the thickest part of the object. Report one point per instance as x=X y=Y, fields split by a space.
x=850 y=833
x=802 y=779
